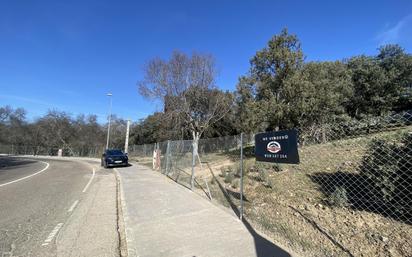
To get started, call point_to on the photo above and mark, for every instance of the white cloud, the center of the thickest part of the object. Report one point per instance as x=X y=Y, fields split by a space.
x=397 y=33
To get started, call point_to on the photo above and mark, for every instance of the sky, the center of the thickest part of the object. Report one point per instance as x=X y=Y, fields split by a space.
x=66 y=55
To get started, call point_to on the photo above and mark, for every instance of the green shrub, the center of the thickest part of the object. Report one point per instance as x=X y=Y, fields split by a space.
x=380 y=166
x=339 y=197
x=268 y=166
x=403 y=193
x=387 y=167
x=222 y=172
x=229 y=177
x=248 y=165
x=249 y=151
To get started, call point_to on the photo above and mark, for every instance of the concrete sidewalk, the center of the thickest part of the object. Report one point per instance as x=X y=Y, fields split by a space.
x=91 y=230
x=163 y=218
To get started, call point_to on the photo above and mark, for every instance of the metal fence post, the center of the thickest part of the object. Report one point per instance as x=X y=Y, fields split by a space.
x=192 y=179
x=167 y=158
x=241 y=177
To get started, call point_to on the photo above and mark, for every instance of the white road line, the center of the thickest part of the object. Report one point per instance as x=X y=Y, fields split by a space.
x=20 y=179
x=52 y=234
x=73 y=206
x=90 y=181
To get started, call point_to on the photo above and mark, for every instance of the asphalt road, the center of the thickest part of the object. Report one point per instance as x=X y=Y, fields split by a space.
x=36 y=198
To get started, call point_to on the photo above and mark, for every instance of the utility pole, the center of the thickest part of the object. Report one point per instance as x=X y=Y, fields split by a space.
x=110 y=119
x=126 y=143
x=241 y=176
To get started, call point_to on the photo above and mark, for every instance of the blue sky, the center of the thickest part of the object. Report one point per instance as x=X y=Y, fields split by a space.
x=66 y=55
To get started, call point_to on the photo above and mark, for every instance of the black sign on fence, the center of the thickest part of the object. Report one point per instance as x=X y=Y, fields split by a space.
x=277 y=146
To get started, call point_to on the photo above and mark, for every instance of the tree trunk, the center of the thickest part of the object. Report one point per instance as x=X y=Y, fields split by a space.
x=195 y=153
x=324 y=135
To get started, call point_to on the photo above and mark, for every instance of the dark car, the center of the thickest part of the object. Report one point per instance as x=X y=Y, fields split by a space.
x=114 y=157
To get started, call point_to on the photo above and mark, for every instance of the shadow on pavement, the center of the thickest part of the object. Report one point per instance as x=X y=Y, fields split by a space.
x=118 y=167
x=7 y=163
x=264 y=248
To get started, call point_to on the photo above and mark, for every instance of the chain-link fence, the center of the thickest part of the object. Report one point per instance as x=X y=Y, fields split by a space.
x=76 y=151
x=351 y=194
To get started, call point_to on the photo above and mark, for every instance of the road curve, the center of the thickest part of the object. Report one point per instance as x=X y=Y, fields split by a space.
x=13 y=170
x=33 y=209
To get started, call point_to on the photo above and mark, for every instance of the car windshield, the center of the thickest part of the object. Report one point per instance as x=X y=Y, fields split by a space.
x=114 y=152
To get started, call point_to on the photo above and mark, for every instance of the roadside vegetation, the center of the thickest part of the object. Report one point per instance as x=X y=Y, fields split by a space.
x=281 y=90
x=351 y=193
x=79 y=136
x=344 y=199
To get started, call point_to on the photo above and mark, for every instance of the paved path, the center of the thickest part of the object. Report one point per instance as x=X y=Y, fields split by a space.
x=13 y=170
x=32 y=207
x=45 y=199
x=91 y=230
x=165 y=219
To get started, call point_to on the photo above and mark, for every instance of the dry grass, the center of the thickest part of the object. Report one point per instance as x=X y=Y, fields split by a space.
x=272 y=208
x=291 y=205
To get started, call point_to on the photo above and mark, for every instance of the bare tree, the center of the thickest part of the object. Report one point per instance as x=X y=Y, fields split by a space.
x=5 y=113
x=186 y=86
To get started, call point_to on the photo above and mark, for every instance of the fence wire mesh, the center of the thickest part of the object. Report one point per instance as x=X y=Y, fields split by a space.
x=351 y=194
x=177 y=161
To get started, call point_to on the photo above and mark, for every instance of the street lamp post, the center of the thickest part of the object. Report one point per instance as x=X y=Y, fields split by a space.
x=126 y=143
x=110 y=118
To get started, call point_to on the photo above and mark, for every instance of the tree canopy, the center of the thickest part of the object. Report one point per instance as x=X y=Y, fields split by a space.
x=186 y=86
x=281 y=90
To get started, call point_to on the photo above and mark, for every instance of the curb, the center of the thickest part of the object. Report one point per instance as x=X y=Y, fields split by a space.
x=125 y=232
